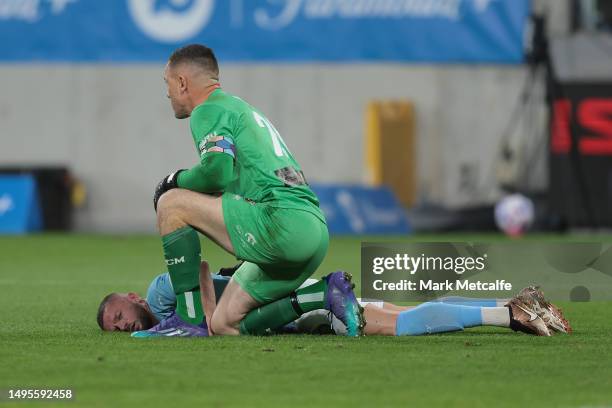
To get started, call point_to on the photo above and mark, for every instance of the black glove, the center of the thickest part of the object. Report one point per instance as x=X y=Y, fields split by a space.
x=168 y=183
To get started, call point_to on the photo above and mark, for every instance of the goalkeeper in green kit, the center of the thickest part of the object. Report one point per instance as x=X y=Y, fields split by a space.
x=249 y=196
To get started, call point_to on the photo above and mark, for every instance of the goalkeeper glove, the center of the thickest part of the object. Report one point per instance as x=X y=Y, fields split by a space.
x=168 y=183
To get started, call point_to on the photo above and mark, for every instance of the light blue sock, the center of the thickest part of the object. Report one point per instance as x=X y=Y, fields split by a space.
x=436 y=317
x=466 y=301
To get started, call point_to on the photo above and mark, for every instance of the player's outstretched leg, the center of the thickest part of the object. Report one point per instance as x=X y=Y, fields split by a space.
x=435 y=317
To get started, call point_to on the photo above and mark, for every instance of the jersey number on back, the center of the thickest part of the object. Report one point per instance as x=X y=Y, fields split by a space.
x=280 y=148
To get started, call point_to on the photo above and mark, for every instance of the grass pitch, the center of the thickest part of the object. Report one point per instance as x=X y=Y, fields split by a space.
x=51 y=285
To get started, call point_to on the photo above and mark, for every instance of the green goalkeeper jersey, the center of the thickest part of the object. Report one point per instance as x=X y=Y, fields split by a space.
x=264 y=169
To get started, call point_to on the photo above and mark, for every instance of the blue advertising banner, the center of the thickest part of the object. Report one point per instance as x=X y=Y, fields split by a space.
x=477 y=31
x=19 y=207
x=353 y=209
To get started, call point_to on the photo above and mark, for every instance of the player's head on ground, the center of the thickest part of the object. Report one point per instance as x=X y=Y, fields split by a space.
x=190 y=74
x=125 y=312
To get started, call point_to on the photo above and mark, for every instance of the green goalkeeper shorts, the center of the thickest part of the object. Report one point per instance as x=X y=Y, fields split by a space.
x=281 y=247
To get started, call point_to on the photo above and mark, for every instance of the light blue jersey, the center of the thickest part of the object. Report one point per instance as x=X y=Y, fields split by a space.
x=162 y=299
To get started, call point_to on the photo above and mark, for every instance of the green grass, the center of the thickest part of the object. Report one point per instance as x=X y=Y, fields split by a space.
x=50 y=287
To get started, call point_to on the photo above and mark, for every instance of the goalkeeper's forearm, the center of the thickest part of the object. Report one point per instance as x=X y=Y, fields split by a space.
x=211 y=175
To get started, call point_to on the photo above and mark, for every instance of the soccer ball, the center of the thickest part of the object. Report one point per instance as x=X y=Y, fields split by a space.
x=514 y=214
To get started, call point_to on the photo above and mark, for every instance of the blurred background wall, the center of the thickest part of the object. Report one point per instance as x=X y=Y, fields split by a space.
x=115 y=129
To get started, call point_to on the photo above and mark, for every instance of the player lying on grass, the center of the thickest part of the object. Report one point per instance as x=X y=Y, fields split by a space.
x=129 y=312
x=247 y=194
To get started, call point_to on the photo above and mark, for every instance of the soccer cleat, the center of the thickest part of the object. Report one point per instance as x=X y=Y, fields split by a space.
x=173 y=326
x=523 y=318
x=341 y=301
x=551 y=314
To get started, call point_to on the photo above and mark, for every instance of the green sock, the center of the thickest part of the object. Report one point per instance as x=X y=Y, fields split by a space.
x=312 y=297
x=268 y=318
x=182 y=255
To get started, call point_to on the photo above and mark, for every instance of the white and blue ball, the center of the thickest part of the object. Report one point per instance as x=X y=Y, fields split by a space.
x=514 y=214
